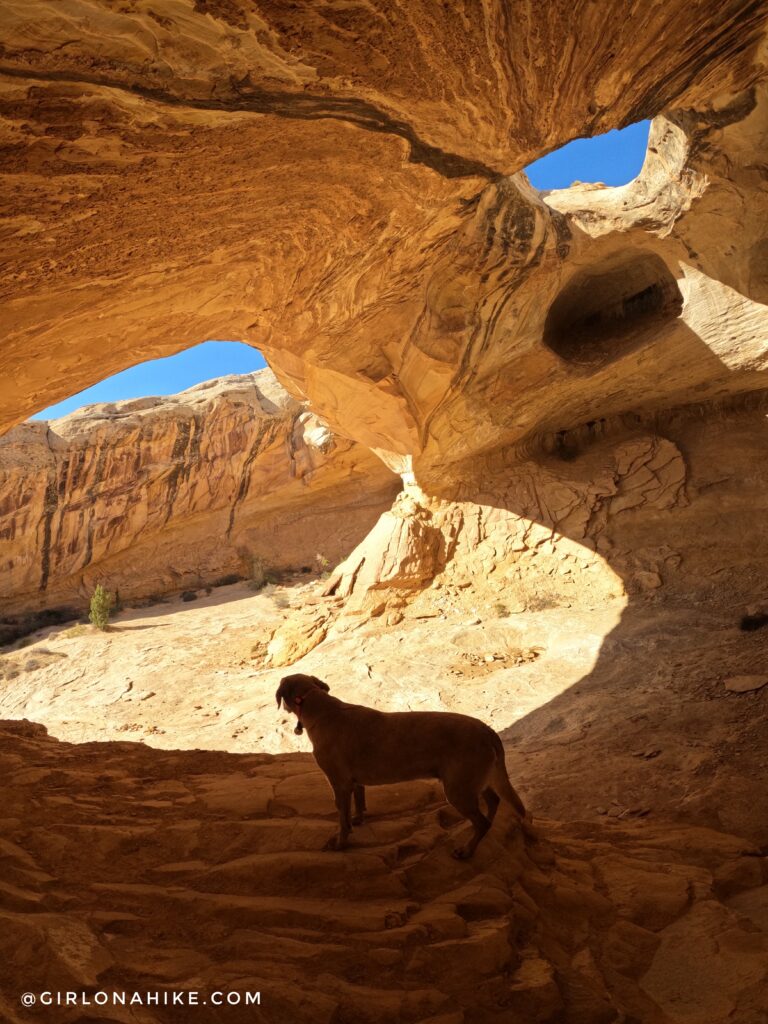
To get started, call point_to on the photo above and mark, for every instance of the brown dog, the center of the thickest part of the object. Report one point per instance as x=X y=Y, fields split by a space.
x=357 y=746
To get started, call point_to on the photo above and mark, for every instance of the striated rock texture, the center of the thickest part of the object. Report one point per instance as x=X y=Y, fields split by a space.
x=337 y=185
x=203 y=873
x=153 y=495
x=531 y=533
x=404 y=277
x=570 y=385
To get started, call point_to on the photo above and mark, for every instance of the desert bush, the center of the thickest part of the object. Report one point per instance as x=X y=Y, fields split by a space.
x=258 y=578
x=227 y=581
x=101 y=606
x=17 y=627
x=500 y=610
x=261 y=575
x=542 y=602
x=148 y=601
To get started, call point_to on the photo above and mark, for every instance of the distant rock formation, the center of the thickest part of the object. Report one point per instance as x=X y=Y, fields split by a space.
x=155 y=495
x=404 y=277
x=572 y=387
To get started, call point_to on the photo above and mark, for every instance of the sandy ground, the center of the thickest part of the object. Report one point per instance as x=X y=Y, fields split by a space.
x=189 y=674
x=603 y=713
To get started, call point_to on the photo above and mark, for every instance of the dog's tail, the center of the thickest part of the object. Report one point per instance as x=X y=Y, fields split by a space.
x=499 y=780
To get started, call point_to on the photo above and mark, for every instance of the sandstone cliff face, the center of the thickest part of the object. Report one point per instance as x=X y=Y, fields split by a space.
x=404 y=278
x=154 y=495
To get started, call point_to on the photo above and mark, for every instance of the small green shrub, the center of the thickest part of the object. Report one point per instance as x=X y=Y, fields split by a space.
x=102 y=603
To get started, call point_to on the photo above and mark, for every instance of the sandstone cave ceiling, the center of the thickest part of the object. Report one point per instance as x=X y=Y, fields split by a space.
x=338 y=187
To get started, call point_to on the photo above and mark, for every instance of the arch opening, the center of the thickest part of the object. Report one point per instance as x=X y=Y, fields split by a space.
x=165 y=376
x=613 y=159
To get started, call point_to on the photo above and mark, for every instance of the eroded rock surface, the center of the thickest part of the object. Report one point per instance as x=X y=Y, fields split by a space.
x=564 y=382
x=203 y=872
x=150 y=496
x=402 y=275
x=596 y=641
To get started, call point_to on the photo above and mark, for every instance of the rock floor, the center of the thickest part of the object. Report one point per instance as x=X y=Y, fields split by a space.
x=131 y=868
x=130 y=865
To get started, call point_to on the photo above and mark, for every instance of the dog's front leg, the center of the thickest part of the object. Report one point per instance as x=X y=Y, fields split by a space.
x=359 y=795
x=343 y=794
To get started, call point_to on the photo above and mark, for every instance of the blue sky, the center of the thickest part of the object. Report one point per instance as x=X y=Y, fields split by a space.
x=614 y=158
x=166 y=376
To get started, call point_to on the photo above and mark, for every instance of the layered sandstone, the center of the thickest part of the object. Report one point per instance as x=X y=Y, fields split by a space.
x=570 y=385
x=402 y=275
x=154 y=495
x=148 y=870
x=403 y=278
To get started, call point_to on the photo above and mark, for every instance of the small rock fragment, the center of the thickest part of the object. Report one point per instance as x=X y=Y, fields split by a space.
x=745 y=684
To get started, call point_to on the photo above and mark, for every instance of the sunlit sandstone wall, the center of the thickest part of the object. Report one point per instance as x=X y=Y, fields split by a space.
x=149 y=496
x=339 y=189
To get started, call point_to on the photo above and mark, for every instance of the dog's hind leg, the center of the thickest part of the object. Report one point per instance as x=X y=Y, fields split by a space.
x=359 y=794
x=468 y=805
x=492 y=800
x=343 y=795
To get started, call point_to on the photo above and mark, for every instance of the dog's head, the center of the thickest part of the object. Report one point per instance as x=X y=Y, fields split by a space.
x=293 y=689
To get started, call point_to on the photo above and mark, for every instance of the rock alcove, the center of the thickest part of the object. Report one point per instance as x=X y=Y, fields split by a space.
x=439 y=334
x=608 y=311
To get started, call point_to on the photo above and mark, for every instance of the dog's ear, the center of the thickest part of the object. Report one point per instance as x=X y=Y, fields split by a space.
x=284 y=690
x=321 y=684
